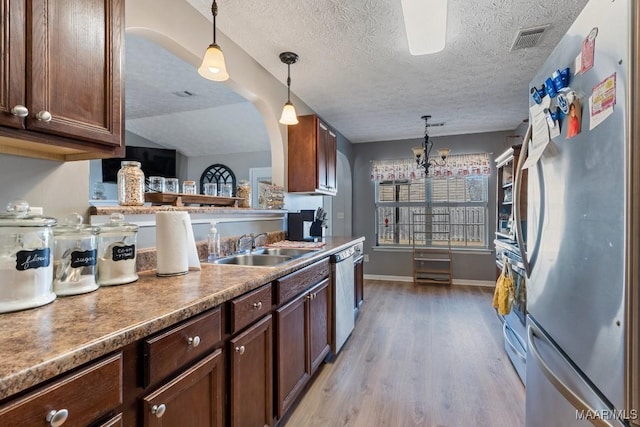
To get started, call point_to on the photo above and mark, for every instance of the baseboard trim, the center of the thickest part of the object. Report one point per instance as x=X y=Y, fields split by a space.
x=463 y=282
x=388 y=278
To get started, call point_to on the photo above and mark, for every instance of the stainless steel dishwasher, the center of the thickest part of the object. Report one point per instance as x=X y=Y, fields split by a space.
x=342 y=282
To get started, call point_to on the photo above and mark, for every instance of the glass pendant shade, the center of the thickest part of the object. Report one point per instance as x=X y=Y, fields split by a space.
x=443 y=152
x=289 y=116
x=213 y=66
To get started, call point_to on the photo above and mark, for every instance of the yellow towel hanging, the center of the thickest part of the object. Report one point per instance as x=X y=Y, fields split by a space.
x=504 y=293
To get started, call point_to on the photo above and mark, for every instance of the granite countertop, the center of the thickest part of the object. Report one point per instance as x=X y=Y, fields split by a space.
x=141 y=210
x=39 y=344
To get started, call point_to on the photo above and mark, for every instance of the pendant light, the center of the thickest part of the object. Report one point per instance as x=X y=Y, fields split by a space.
x=289 y=116
x=422 y=153
x=213 y=67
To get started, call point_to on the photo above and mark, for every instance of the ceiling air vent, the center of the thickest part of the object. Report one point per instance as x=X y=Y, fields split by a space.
x=184 y=94
x=528 y=37
x=435 y=125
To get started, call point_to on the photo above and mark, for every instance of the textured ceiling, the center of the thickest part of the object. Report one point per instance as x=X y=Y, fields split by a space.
x=356 y=72
x=214 y=120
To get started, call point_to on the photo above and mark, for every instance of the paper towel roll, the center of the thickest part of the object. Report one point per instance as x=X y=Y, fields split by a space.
x=172 y=243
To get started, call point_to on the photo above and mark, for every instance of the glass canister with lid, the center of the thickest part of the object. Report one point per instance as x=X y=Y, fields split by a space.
x=26 y=267
x=75 y=257
x=244 y=191
x=130 y=184
x=117 y=252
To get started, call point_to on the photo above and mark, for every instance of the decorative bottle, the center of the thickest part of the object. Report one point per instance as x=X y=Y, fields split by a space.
x=213 y=243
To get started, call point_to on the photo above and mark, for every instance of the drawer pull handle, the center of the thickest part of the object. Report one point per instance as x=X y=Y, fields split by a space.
x=57 y=418
x=240 y=349
x=20 y=111
x=194 y=341
x=44 y=116
x=257 y=305
x=158 y=410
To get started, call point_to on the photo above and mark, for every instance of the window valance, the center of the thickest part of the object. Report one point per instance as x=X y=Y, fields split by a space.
x=457 y=165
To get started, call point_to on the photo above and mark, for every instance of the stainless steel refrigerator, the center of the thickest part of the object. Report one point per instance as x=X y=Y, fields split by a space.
x=583 y=233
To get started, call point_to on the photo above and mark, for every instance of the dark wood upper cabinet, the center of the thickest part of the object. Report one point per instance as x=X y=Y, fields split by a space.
x=312 y=155
x=61 y=89
x=12 y=62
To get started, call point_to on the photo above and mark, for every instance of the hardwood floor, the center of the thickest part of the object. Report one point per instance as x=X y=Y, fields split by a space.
x=419 y=356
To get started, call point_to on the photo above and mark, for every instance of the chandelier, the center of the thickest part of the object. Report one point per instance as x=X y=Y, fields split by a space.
x=422 y=154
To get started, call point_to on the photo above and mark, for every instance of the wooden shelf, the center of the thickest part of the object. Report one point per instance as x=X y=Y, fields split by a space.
x=431 y=281
x=431 y=265
x=180 y=199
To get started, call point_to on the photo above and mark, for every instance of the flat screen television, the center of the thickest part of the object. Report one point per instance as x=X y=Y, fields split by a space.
x=153 y=161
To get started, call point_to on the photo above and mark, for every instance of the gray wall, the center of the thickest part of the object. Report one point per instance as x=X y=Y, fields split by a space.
x=239 y=163
x=467 y=265
x=59 y=188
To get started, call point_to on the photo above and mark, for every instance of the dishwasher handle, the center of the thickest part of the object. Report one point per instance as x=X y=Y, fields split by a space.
x=342 y=255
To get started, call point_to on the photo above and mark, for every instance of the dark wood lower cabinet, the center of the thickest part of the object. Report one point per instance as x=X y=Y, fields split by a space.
x=194 y=398
x=251 y=376
x=291 y=351
x=303 y=337
x=319 y=315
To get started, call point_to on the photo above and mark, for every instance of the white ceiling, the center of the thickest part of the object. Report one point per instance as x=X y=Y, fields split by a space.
x=355 y=71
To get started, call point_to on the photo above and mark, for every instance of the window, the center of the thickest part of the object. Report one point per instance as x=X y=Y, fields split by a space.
x=465 y=198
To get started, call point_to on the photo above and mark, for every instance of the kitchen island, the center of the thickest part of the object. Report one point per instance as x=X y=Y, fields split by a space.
x=40 y=344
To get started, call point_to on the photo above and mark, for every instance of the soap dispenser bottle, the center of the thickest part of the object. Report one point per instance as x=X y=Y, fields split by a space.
x=213 y=243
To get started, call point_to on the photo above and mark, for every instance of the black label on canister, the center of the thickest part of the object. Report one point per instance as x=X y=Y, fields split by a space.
x=37 y=258
x=83 y=258
x=121 y=253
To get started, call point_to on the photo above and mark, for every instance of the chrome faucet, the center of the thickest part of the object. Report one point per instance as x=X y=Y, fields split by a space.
x=259 y=240
x=244 y=243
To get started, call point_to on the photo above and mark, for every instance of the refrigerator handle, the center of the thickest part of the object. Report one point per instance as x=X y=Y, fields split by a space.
x=516 y=200
x=566 y=392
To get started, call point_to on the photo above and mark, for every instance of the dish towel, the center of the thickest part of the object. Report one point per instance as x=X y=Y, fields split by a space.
x=504 y=293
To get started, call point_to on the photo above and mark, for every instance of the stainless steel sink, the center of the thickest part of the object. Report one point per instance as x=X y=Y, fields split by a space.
x=291 y=252
x=255 y=260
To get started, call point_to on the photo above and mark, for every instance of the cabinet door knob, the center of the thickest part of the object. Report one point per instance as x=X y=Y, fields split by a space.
x=57 y=418
x=309 y=296
x=240 y=349
x=20 y=111
x=158 y=410
x=257 y=305
x=44 y=116
x=194 y=341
